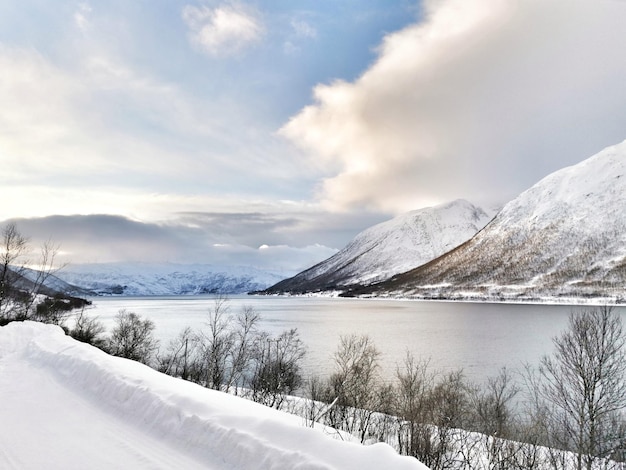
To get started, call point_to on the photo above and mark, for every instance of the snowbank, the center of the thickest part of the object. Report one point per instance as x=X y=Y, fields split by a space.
x=69 y=405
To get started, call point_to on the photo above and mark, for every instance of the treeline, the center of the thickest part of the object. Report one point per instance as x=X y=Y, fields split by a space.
x=566 y=413
x=231 y=354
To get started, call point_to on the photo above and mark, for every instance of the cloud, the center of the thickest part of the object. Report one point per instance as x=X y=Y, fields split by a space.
x=38 y=118
x=107 y=238
x=225 y=30
x=104 y=136
x=479 y=100
x=281 y=225
x=303 y=29
x=300 y=30
x=69 y=120
x=81 y=16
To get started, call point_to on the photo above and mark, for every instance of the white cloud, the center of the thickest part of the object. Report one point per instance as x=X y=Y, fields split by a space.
x=38 y=118
x=81 y=16
x=480 y=100
x=303 y=29
x=80 y=136
x=63 y=125
x=225 y=30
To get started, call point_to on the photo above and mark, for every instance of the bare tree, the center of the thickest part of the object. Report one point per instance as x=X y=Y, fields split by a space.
x=494 y=417
x=180 y=358
x=245 y=335
x=413 y=393
x=216 y=345
x=221 y=357
x=132 y=338
x=277 y=372
x=432 y=408
x=450 y=412
x=38 y=275
x=583 y=386
x=14 y=248
x=354 y=385
x=493 y=406
x=22 y=279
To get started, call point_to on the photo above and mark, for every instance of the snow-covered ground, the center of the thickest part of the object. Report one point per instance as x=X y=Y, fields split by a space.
x=67 y=405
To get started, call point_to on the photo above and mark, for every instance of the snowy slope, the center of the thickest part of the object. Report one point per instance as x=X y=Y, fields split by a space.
x=51 y=284
x=392 y=247
x=565 y=236
x=67 y=405
x=166 y=279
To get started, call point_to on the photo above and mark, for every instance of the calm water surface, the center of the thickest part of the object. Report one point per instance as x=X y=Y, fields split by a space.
x=477 y=337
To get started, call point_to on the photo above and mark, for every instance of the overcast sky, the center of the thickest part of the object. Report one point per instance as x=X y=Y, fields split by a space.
x=270 y=132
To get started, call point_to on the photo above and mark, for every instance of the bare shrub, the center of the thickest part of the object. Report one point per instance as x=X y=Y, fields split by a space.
x=132 y=338
x=277 y=372
x=88 y=330
x=180 y=358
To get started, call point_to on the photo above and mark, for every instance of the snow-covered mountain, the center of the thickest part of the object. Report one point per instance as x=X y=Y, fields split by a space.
x=563 y=237
x=48 y=284
x=166 y=279
x=391 y=247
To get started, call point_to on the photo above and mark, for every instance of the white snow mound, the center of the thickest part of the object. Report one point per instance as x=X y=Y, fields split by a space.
x=68 y=405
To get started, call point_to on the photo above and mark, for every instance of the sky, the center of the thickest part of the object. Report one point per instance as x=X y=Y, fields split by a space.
x=269 y=133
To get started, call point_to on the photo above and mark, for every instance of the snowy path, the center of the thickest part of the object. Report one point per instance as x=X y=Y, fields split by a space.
x=47 y=424
x=66 y=405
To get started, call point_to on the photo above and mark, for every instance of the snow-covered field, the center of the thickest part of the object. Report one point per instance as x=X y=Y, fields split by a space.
x=67 y=405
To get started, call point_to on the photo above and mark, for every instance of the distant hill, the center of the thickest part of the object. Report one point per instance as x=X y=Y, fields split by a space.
x=166 y=279
x=31 y=279
x=389 y=248
x=563 y=237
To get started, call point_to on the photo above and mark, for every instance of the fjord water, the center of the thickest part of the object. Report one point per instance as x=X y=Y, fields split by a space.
x=480 y=338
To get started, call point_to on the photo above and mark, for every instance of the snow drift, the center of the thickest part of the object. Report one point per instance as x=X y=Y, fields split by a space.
x=69 y=405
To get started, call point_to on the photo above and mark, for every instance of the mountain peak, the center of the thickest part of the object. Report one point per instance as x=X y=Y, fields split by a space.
x=564 y=236
x=391 y=247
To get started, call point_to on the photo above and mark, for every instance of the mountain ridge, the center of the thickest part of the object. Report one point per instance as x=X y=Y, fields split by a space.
x=386 y=249
x=563 y=237
x=146 y=279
